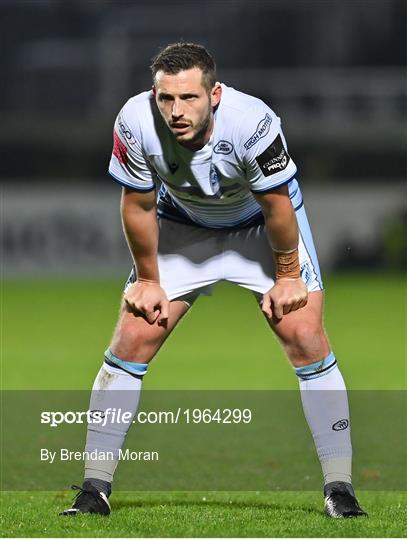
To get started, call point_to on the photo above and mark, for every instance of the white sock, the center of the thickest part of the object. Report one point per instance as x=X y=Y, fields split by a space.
x=115 y=390
x=325 y=403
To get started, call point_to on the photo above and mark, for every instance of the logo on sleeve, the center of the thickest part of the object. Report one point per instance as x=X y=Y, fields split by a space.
x=223 y=147
x=274 y=159
x=263 y=127
x=125 y=130
x=119 y=149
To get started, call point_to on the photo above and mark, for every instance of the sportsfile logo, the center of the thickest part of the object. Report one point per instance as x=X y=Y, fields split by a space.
x=263 y=127
x=111 y=415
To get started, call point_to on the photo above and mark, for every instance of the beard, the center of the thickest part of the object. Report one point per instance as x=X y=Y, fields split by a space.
x=195 y=142
x=202 y=128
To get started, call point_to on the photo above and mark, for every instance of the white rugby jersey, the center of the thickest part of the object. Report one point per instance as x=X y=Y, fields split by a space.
x=213 y=186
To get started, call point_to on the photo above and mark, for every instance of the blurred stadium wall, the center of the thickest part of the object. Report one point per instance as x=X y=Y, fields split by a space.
x=334 y=70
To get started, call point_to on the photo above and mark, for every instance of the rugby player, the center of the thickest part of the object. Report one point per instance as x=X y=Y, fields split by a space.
x=229 y=207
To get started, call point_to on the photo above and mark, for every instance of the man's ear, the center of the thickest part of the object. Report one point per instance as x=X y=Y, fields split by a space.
x=153 y=88
x=216 y=94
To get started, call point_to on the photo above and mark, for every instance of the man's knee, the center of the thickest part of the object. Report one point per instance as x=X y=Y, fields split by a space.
x=135 y=341
x=306 y=342
x=307 y=332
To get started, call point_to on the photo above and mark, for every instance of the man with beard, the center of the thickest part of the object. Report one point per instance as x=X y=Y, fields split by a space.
x=230 y=208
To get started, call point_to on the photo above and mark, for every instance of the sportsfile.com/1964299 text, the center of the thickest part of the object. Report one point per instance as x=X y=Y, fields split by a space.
x=119 y=416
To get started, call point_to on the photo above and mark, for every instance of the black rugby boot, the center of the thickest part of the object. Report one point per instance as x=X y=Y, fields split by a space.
x=88 y=500
x=340 y=501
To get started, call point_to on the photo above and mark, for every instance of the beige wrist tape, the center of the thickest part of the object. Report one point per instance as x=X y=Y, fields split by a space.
x=287 y=264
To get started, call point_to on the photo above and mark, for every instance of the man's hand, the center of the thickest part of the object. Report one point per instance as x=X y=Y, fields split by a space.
x=288 y=294
x=148 y=299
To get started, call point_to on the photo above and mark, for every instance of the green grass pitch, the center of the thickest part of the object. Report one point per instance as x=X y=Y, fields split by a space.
x=54 y=333
x=220 y=514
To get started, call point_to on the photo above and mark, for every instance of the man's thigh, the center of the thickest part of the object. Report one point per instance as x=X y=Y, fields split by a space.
x=301 y=332
x=135 y=340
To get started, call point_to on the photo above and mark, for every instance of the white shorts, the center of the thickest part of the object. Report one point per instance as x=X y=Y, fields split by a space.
x=192 y=259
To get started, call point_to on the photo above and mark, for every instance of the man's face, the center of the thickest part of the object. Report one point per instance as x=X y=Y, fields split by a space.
x=186 y=105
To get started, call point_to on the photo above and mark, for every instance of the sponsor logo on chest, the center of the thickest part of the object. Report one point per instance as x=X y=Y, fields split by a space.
x=223 y=147
x=172 y=166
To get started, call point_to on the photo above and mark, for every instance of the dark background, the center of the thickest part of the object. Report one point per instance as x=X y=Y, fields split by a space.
x=334 y=70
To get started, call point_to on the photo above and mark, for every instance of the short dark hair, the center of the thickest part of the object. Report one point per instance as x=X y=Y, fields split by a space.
x=180 y=56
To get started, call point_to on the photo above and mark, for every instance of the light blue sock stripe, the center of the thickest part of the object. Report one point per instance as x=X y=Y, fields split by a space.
x=316 y=375
x=316 y=366
x=317 y=369
x=132 y=367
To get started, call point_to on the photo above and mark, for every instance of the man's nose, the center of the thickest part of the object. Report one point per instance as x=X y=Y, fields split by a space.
x=177 y=111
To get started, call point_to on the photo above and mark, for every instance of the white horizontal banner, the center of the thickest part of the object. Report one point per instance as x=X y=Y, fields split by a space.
x=63 y=229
